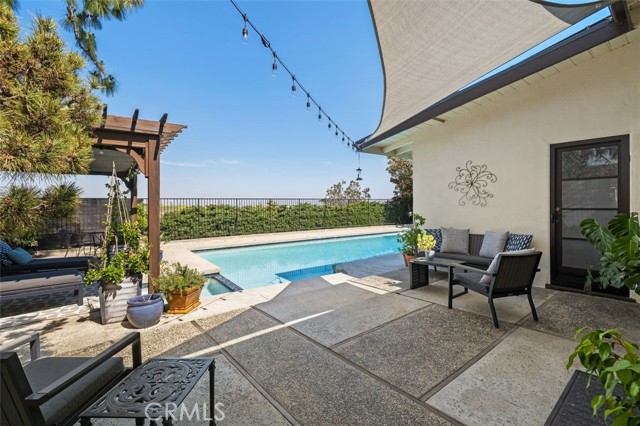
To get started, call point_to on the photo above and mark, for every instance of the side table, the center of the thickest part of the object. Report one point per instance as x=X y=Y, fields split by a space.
x=152 y=390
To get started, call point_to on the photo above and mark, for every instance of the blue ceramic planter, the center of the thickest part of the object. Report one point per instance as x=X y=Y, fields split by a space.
x=145 y=311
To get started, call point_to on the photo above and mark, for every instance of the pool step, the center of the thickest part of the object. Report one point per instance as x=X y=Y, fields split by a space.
x=226 y=282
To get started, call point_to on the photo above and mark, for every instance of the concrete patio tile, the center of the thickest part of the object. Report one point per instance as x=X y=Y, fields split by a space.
x=332 y=315
x=418 y=351
x=315 y=386
x=373 y=266
x=510 y=309
x=517 y=383
x=567 y=312
x=242 y=404
x=289 y=289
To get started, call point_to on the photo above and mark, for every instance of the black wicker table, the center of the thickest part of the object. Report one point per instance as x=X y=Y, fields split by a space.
x=420 y=270
x=574 y=406
x=154 y=390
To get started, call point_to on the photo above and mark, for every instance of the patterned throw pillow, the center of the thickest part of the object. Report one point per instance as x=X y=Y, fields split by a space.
x=518 y=242
x=4 y=249
x=435 y=233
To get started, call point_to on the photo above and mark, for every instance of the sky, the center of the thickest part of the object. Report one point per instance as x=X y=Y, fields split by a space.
x=246 y=135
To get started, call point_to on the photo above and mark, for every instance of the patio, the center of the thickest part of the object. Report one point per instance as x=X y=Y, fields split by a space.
x=363 y=349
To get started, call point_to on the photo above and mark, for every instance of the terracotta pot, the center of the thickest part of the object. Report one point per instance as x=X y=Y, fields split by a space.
x=407 y=258
x=183 y=301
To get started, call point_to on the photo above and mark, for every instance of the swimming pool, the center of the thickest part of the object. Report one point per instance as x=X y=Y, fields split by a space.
x=257 y=266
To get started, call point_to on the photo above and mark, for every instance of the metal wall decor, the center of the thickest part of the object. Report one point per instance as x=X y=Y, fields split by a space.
x=471 y=182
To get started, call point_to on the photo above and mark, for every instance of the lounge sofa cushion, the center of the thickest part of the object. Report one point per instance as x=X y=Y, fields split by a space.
x=486 y=279
x=44 y=371
x=20 y=256
x=12 y=283
x=518 y=242
x=455 y=240
x=50 y=263
x=493 y=243
x=469 y=259
x=437 y=235
x=4 y=249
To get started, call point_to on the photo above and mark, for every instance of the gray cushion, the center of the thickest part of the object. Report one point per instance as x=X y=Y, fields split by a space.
x=469 y=259
x=44 y=371
x=49 y=263
x=20 y=256
x=493 y=243
x=486 y=279
x=472 y=281
x=40 y=280
x=455 y=240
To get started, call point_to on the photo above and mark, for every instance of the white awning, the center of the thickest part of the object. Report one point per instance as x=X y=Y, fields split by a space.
x=432 y=48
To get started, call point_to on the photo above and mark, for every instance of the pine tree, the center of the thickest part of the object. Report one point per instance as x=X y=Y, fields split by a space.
x=46 y=109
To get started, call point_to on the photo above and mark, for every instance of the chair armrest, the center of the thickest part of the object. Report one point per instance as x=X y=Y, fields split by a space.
x=34 y=345
x=471 y=268
x=65 y=381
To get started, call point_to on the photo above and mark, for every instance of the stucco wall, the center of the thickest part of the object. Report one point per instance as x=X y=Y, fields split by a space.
x=512 y=135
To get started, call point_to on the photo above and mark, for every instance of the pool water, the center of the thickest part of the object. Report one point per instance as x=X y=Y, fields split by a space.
x=257 y=266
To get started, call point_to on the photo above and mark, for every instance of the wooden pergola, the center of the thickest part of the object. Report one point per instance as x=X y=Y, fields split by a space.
x=135 y=145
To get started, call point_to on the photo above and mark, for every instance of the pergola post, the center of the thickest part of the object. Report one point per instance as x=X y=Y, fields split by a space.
x=153 y=181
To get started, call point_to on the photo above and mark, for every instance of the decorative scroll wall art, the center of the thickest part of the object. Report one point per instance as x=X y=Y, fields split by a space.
x=471 y=182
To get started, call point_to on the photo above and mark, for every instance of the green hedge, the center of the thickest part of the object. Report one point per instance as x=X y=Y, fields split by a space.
x=222 y=220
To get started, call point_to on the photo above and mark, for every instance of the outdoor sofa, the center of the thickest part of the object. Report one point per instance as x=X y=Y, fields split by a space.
x=55 y=390
x=476 y=250
x=47 y=282
x=79 y=263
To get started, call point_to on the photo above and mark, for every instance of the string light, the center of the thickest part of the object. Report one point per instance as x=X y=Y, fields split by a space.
x=359 y=170
x=245 y=31
x=274 y=67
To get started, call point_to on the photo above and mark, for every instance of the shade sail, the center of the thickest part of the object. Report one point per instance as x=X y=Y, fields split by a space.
x=432 y=48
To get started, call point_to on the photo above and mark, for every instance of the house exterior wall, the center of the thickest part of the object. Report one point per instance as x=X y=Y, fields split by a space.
x=512 y=136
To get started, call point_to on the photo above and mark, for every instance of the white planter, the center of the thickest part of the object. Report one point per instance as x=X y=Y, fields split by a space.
x=113 y=299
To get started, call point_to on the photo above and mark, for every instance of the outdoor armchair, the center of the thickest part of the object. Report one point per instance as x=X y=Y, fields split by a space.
x=55 y=390
x=513 y=276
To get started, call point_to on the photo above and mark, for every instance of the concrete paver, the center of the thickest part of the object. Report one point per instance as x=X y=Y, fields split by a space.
x=314 y=385
x=517 y=383
x=419 y=350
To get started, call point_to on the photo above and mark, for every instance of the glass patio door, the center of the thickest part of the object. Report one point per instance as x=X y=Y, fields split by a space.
x=589 y=179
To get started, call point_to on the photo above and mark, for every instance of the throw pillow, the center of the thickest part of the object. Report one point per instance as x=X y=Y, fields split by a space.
x=435 y=233
x=20 y=256
x=486 y=279
x=493 y=243
x=455 y=240
x=518 y=242
x=4 y=249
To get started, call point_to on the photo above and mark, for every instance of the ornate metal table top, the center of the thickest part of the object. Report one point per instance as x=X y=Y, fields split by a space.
x=150 y=388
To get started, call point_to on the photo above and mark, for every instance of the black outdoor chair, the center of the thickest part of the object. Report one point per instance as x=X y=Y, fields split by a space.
x=513 y=276
x=55 y=390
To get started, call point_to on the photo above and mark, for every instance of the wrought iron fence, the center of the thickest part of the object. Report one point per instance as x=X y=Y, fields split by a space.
x=188 y=218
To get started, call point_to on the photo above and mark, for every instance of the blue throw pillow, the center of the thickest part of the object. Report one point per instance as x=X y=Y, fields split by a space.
x=20 y=256
x=437 y=234
x=518 y=242
x=4 y=249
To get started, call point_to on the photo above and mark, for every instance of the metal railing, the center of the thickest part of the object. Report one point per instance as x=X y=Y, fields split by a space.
x=187 y=218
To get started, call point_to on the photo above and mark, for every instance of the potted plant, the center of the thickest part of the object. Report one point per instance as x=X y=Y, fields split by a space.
x=619 y=245
x=426 y=243
x=145 y=310
x=119 y=271
x=124 y=258
x=409 y=239
x=616 y=364
x=181 y=286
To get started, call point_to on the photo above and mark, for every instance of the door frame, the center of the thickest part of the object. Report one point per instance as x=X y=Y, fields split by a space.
x=563 y=281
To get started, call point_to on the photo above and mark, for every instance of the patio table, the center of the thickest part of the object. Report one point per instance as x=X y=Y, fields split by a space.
x=151 y=390
x=419 y=276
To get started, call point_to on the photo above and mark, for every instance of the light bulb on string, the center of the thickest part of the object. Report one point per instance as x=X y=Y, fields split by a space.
x=336 y=131
x=319 y=114
x=308 y=102
x=274 y=67
x=342 y=136
x=293 y=86
x=329 y=124
x=245 y=31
